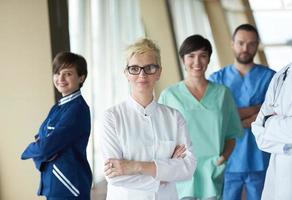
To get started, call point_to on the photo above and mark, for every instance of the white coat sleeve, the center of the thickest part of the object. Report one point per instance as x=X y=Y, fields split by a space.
x=260 y=130
x=279 y=129
x=178 y=169
x=111 y=148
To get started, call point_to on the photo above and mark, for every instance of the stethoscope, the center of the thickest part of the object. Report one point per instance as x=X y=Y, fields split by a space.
x=278 y=86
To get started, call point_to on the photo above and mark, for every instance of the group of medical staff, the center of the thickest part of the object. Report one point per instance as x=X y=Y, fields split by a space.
x=204 y=139
x=235 y=120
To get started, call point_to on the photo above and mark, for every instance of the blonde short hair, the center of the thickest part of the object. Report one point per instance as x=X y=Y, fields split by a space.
x=141 y=46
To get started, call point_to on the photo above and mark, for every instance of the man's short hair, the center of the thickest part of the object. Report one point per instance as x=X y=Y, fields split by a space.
x=246 y=27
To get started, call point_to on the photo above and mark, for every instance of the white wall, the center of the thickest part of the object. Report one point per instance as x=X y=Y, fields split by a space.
x=158 y=28
x=26 y=91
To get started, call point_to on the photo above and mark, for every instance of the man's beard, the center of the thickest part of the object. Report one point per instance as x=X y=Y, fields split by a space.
x=246 y=59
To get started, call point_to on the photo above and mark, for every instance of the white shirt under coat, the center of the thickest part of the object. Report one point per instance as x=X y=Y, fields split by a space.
x=133 y=132
x=275 y=136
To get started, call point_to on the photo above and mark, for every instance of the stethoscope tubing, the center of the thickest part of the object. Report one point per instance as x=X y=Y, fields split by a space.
x=280 y=83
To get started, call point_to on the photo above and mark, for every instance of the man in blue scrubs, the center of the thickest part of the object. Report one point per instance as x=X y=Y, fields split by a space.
x=248 y=83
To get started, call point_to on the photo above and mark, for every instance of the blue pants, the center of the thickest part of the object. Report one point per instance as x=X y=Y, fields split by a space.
x=194 y=198
x=234 y=183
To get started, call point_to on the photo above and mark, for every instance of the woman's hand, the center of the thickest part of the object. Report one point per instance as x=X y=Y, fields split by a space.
x=179 y=151
x=119 y=167
x=228 y=148
x=220 y=160
x=116 y=167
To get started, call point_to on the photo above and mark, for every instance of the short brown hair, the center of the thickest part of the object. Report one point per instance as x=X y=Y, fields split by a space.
x=65 y=60
x=194 y=43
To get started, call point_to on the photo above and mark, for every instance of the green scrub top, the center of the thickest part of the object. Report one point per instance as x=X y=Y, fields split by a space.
x=211 y=121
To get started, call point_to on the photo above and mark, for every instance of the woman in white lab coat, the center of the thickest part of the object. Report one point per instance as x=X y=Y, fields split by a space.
x=273 y=132
x=145 y=145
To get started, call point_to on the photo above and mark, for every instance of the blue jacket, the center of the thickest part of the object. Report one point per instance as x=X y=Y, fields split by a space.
x=59 y=151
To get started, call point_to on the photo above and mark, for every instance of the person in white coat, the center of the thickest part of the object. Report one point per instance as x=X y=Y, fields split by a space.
x=145 y=144
x=273 y=132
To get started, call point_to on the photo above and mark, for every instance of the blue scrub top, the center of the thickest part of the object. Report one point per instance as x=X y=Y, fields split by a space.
x=247 y=90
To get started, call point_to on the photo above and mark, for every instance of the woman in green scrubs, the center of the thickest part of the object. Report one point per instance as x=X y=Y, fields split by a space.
x=211 y=116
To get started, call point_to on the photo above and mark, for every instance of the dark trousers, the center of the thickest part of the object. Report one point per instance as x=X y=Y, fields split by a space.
x=62 y=198
x=68 y=198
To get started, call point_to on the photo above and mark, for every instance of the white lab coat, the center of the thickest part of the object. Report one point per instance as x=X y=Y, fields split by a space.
x=146 y=134
x=275 y=136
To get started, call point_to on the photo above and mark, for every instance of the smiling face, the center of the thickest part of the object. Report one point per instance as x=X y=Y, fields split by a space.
x=67 y=80
x=196 y=63
x=245 y=46
x=143 y=83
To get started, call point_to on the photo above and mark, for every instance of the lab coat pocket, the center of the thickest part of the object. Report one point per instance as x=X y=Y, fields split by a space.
x=165 y=149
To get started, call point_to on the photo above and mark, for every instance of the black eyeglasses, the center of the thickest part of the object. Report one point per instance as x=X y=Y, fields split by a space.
x=148 y=69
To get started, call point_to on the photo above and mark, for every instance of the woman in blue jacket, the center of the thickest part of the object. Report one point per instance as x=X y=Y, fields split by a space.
x=59 y=149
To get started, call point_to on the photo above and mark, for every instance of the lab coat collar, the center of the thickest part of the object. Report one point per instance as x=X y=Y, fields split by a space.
x=69 y=97
x=148 y=111
x=285 y=69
